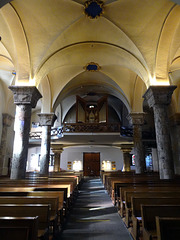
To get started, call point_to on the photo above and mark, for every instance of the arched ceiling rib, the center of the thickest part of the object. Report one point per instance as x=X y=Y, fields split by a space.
x=164 y=52
x=15 y=40
x=99 y=82
x=103 y=54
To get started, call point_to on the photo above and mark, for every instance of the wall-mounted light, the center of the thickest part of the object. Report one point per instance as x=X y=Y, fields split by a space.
x=91 y=106
x=106 y=165
x=77 y=165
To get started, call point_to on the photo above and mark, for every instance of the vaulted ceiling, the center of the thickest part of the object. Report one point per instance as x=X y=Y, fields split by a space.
x=47 y=43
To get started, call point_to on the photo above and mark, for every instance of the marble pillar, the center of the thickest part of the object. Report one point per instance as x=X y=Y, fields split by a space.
x=25 y=98
x=7 y=121
x=46 y=121
x=159 y=97
x=57 y=150
x=126 y=149
x=137 y=120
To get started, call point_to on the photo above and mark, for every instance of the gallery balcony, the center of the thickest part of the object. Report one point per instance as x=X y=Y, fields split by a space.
x=58 y=132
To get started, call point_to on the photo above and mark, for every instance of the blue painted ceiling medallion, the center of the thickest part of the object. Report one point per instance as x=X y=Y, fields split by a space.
x=94 y=8
x=92 y=67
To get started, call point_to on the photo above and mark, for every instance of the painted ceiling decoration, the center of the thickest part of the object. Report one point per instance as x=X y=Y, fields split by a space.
x=94 y=8
x=92 y=67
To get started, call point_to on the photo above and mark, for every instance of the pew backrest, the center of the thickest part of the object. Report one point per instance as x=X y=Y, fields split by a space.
x=53 y=201
x=27 y=210
x=151 y=200
x=59 y=194
x=19 y=228
x=167 y=228
x=149 y=213
x=130 y=194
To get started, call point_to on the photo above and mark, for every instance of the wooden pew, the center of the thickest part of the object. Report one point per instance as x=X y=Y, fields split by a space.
x=37 y=187
x=114 y=183
x=53 y=201
x=19 y=228
x=60 y=196
x=14 y=191
x=143 y=188
x=129 y=178
x=167 y=228
x=66 y=200
x=30 y=210
x=148 y=200
x=31 y=186
x=144 y=194
x=149 y=213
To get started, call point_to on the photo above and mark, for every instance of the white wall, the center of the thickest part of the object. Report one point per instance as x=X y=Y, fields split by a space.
x=32 y=165
x=76 y=154
x=106 y=153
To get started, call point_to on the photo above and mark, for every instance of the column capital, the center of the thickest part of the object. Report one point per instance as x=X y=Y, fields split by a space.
x=126 y=148
x=57 y=148
x=136 y=118
x=25 y=95
x=159 y=95
x=7 y=119
x=46 y=119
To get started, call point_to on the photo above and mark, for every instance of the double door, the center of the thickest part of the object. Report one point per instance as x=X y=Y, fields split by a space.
x=91 y=164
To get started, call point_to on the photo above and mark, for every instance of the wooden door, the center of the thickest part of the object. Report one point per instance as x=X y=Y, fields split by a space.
x=91 y=164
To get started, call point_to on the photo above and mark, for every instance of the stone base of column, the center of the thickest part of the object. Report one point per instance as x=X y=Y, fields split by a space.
x=4 y=171
x=17 y=174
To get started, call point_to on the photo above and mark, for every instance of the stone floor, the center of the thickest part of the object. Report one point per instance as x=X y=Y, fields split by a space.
x=93 y=216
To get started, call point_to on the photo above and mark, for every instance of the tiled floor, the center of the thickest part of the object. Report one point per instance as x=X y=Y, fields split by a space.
x=93 y=216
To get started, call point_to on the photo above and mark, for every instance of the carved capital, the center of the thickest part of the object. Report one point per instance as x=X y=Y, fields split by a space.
x=25 y=95
x=159 y=95
x=136 y=118
x=46 y=119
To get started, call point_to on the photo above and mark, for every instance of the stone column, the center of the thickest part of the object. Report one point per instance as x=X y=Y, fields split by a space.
x=175 y=133
x=25 y=98
x=159 y=97
x=155 y=160
x=126 y=149
x=137 y=120
x=7 y=121
x=46 y=121
x=57 y=150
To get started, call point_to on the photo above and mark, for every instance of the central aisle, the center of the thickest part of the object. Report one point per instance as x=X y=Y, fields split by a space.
x=93 y=216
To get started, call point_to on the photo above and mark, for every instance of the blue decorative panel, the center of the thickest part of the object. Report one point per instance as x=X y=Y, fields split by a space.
x=93 y=8
x=92 y=67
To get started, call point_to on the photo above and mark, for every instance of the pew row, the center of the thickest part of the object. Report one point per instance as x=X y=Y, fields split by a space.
x=149 y=213
x=129 y=195
x=30 y=210
x=137 y=202
x=52 y=201
x=143 y=188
